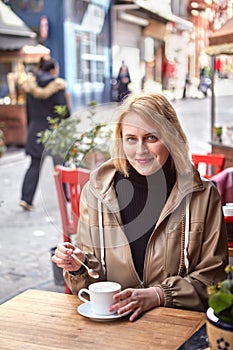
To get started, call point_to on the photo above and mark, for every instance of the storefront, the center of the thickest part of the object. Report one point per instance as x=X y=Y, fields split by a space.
x=18 y=51
x=144 y=35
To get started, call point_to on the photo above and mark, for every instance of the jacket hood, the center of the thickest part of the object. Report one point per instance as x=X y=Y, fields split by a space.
x=43 y=78
x=102 y=177
x=53 y=86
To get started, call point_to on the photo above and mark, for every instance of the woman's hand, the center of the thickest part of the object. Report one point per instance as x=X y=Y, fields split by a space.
x=63 y=258
x=137 y=301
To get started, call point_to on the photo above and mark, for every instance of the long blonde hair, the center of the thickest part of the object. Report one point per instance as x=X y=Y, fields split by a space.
x=157 y=110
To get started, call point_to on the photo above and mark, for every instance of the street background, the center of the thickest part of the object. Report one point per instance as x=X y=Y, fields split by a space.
x=27 y=237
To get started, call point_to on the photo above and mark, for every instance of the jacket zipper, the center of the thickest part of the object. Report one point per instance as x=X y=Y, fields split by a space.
x=171 y=209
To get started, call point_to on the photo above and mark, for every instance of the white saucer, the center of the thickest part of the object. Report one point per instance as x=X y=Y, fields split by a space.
x=85 y=310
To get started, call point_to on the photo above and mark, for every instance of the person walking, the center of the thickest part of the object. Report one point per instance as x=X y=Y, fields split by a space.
x=186 y=85
x=123 y=80
x=44 y=91
x=147 y=219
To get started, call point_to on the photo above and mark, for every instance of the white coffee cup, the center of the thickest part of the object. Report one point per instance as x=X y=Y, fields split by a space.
x=101 y=296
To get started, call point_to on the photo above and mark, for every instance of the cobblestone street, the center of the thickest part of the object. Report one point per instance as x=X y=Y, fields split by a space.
x=26 y=237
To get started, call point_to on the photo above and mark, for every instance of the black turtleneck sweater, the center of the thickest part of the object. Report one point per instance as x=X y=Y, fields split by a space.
x=141 y=200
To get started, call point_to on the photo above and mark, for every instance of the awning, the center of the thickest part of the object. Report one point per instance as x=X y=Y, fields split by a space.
x=224 y=49
x=34 y=53
x=165 y=13
x=12 y=42
x=14 y=33
x=224 y=35
x=221 y=41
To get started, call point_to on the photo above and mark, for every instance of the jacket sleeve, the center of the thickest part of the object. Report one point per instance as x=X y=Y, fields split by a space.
x=189 y=290
x=75 y=283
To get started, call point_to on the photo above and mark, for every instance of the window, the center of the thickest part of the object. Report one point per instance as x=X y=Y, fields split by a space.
x=90 y=57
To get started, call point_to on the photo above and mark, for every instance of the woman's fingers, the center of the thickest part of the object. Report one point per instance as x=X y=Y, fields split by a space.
x=63 y=259
x=135 y=314
x=135 y=300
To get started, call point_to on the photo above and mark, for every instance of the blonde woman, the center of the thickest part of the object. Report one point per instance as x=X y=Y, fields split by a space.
x=148 y=220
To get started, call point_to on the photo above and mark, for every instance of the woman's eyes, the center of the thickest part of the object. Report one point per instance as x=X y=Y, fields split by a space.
x=149 y=138
x=152 y=138
x=131 y=139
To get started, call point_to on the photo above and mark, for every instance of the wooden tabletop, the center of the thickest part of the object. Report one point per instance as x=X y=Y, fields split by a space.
x=39 y=320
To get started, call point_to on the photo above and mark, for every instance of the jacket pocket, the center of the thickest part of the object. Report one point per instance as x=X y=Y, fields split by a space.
x=195 y=243
x=175 y=244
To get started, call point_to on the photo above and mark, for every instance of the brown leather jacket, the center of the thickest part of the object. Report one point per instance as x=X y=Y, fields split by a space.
x=187 y=250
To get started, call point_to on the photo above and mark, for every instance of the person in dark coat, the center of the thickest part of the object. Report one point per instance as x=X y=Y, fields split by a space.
x=44 y=91
x=123 y=80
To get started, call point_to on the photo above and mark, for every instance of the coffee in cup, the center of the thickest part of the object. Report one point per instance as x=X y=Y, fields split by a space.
x=101 y=296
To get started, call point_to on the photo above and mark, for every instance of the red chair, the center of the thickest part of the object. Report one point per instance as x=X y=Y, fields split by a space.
x=213 y=163
x=69 y=184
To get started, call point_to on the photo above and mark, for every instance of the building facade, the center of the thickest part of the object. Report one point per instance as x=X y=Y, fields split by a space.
x=91 y=38
x=155 y=46
x=78 y=35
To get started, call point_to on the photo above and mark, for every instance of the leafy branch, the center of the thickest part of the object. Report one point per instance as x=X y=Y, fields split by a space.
x=64 y=138
x=221 y=297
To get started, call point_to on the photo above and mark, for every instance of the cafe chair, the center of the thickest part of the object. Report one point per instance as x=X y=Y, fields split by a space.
x=230 y=251
x=224 y=183
x=69 y=184
x=212 y=164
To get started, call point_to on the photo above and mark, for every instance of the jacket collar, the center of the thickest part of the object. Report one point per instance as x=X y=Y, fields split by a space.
x=30 y=86
x=101 y=181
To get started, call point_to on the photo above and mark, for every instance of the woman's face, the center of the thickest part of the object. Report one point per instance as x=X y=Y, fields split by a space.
x=142 y=146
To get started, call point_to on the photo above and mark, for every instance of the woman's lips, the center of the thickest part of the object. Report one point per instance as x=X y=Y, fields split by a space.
x=144 y=161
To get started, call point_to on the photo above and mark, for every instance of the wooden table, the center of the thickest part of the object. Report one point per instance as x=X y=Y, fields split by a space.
x=45 y=320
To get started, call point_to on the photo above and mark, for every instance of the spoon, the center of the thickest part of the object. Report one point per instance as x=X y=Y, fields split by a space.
x=92 y=273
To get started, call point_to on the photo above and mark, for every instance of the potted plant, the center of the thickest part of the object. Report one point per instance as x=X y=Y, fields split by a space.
x=220 y=313
x=77 y=148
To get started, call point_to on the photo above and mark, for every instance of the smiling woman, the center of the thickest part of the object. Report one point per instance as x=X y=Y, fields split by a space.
x=147 y=219
x=142 y=147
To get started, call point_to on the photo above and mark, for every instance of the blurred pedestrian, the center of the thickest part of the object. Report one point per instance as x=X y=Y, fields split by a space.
x=186 y=85
x=205 y=80
x=123 y=80
x=44 y=91
x=168 y=73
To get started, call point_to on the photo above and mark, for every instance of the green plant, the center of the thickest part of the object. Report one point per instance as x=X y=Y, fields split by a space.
x=221 y=297
x=65 y=139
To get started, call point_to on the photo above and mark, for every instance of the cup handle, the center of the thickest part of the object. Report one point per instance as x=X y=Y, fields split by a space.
x=84 y=290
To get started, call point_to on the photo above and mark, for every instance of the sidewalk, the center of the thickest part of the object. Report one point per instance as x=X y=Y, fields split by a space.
x=26 y=237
